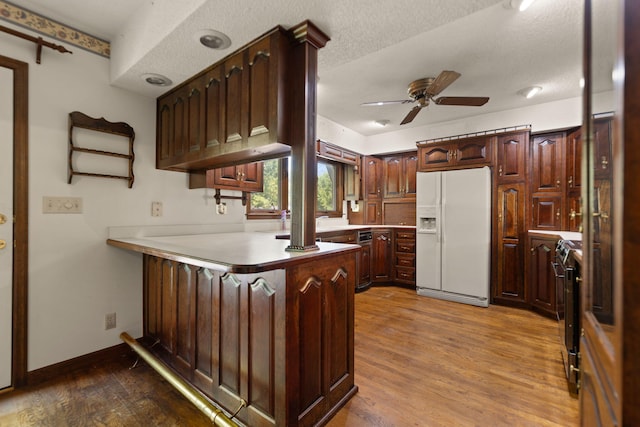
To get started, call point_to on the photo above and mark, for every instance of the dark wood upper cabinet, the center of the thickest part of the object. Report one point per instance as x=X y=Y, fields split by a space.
x=547 y=162
x=399 y=175
x=602 y=147
x=221 y=115
x=247 y=177
x=459 y=154
x=511 y=153
x=372 y=175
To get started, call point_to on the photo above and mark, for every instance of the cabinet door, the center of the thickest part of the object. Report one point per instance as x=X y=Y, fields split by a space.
x=251 y=176
x=262 y=117
x=372 y=212
x=510 y=159
x=351 y=182
x=547 y=213
x=602 y=148
x=381 y=262
x=214 y=106
x=546 y=163
x=393 y=177
x=372 y=177
x=573 y=211
x=435 y=157
x=365 y=265
x=180 y=125
x=574 y=160
x=410 y=167
x=472 y=152
x=240 y=178
x=510 y=228
x=542 y=277
x=235 y=98
x=164 y=131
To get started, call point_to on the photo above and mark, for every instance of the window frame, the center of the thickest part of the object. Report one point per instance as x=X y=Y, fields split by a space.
x=283 y=182
x=339 y=190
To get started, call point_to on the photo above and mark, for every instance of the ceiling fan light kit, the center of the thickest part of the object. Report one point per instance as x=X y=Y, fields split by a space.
x=424 y=90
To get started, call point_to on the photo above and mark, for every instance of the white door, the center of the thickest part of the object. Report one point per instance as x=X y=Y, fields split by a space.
x=466 y=236
x=6 y=223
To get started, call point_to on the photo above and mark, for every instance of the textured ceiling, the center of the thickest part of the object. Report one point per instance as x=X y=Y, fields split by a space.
x=376 y=48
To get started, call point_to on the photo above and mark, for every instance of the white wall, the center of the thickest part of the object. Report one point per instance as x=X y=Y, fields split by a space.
x=74 y=277
x=541 y=117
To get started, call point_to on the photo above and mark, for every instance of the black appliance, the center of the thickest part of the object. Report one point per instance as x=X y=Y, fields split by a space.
x=567 y=272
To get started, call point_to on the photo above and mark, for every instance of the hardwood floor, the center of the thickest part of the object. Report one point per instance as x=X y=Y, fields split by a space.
x=419 y=361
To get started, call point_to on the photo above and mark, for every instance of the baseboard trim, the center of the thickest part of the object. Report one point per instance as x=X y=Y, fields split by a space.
x=51 y=372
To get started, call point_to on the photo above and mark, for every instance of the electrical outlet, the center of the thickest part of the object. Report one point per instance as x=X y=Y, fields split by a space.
x=221 y=209
x=156 y=208
x=109 y=321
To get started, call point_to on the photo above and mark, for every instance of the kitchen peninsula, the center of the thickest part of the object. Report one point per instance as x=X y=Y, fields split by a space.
x=244 y=320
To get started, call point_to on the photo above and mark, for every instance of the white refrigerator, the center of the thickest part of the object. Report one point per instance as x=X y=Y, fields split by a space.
x=453 y=235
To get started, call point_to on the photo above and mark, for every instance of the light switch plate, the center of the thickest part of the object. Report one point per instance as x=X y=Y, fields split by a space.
x=61 y=204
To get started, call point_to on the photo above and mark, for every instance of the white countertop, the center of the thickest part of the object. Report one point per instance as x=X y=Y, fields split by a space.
x=239 y=252
x=564 y=235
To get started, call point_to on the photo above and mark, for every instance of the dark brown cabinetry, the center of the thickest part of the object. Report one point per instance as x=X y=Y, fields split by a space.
x=399 y=175
x=509 y=232
x=247 y=177
x=463 y=153
x=509 y=219
x=372 y=177
x=547 y=181
x=573 y=209
x=233 y=105
x=381 y=252
x=364 y=279
x=226 y=333
x=404 y=257
x=541 y=277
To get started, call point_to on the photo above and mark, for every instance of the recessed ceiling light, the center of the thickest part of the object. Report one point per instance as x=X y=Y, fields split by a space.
x=381 y=123
x=521 y=5
x=530 y=92
x=156 y=79
x=213 y=39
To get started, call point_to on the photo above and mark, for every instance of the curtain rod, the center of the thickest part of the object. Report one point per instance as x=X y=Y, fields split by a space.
x=37 y=40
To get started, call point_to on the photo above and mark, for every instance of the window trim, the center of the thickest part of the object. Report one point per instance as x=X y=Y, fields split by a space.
x=337 y=213
x=283 y=180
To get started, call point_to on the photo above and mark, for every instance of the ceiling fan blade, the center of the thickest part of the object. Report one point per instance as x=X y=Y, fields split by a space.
x=412 y=115
x=471 y=101
x=441 y=82
x=378 y=103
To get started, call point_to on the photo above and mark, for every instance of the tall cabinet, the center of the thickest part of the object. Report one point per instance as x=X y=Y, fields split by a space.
x=509 y=219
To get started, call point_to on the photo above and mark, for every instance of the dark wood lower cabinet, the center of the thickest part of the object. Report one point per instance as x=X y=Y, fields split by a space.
x=542 y=280
x=282 y=340
x=381 y=256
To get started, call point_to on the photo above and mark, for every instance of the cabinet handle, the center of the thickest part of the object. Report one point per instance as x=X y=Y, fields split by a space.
x=558 y=214
x=500 y=170
x=604 y=162
x=571 y=181
x=558 y=183
x=574 y=214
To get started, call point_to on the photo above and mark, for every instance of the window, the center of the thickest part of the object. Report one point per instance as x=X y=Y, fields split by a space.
x=329 y=188
x=271 y=201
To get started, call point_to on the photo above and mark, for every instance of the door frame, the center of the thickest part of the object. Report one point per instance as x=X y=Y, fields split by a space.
x=20 y=217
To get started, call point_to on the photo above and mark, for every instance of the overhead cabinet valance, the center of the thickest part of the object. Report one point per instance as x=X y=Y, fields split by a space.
x=231 y=113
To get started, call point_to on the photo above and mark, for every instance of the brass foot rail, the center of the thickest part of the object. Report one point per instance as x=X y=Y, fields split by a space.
x=216 y=416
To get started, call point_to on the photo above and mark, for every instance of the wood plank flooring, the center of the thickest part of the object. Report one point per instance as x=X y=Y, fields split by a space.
x=419 y=361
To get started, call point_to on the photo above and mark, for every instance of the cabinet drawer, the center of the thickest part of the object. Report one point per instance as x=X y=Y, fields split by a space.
x=405 y=274
x=405 y=261
x=406 y=235
x=406 y=246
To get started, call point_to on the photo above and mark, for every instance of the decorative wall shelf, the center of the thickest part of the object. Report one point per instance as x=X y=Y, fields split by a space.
x=81 y=120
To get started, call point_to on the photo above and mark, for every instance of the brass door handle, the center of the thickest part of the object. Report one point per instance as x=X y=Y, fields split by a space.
x=3 y=243
x=3 y=219
x=604 y=162
x=500 y=170
x=570 y=181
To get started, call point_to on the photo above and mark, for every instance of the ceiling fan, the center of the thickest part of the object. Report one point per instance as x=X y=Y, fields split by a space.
x=424 y=90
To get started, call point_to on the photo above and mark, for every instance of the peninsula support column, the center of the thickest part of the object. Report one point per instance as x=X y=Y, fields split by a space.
x=302 y=78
